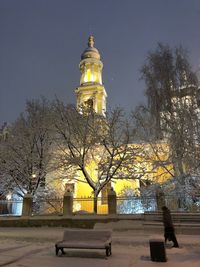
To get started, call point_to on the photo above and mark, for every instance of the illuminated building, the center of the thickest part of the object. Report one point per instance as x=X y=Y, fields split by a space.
x=91 y=93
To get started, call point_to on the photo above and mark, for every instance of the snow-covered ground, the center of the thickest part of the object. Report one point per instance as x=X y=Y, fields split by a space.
x=27 y=247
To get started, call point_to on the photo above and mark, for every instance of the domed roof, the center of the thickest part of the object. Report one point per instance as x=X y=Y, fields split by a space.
x=90 y=51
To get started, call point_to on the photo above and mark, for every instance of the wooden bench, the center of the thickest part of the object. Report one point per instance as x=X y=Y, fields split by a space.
x=85 y=239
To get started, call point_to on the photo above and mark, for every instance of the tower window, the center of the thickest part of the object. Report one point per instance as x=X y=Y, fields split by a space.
x=89 y=76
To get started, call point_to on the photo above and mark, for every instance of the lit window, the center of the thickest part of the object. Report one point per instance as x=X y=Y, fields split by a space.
x=89 y=77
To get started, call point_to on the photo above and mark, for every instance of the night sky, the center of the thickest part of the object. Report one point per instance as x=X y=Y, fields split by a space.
x=41 y=42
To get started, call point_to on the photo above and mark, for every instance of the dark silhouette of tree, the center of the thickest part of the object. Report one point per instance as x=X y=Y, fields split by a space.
x=167 y=75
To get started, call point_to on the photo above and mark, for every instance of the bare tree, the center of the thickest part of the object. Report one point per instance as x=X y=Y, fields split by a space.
x=173 y=113
x=176 y=156
x=168 y=75
x=25 y=153
x=87 y=137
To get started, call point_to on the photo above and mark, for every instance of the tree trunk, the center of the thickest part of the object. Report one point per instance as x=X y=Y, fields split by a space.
x=95 y=201
x=179 y=172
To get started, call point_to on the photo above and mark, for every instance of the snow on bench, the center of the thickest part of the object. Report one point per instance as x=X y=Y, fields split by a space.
x=85 y=239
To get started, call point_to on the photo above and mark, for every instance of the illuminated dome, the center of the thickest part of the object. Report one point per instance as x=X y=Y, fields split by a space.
x=90 y=51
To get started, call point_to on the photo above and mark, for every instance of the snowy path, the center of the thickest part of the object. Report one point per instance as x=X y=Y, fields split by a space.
x=34 y=247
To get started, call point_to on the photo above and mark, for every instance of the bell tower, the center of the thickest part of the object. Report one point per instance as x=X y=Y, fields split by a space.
x=91 y=91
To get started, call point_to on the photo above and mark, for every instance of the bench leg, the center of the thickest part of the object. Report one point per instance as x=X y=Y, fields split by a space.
x=57 y=250
x=108 y=250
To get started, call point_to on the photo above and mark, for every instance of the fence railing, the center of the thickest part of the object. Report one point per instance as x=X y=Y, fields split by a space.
x=80 y=206
x=116 y=205
x=86 y=206
x=133 y=205
x=188 y=204
x=47 y=207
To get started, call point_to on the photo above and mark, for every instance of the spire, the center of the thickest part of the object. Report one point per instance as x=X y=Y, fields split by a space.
x=91 y=41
